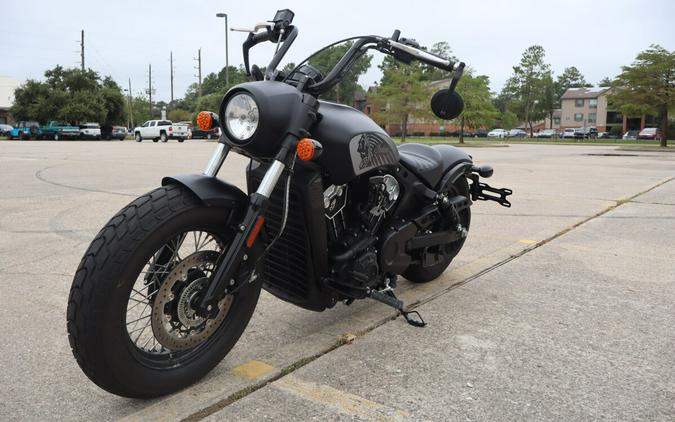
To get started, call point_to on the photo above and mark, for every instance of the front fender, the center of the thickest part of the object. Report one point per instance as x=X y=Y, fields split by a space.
x=211 y=190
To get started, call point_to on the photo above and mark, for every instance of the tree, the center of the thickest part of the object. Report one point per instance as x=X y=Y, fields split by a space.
x=71 y=95
x=344 y=91
x=401 y=92
x=527 y=85
x=179 y=115
x=606 y=81
x=508 y=119
x=141 y=109
x=570 y=78
x=647 y=85
x=478 y=108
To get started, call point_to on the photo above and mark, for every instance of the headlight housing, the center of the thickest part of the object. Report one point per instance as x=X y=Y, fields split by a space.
x=241 y=116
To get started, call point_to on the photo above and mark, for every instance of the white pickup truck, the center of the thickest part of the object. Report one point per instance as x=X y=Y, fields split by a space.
x=161 y=130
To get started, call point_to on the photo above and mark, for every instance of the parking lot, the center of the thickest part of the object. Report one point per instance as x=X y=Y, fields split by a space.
x=559 y=308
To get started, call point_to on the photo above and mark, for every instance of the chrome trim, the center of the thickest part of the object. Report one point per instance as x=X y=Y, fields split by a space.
x=271 y=178
x=420 y=54
x=216 y=160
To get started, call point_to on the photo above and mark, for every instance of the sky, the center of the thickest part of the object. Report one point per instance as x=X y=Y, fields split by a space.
x=122 y=37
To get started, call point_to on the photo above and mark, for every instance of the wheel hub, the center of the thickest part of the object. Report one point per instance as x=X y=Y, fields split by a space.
x=175 y=323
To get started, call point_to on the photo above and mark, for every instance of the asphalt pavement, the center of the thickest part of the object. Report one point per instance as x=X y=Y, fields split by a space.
x=560 y=307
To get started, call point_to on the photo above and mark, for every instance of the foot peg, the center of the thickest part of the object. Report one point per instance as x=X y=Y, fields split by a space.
x=389 y=298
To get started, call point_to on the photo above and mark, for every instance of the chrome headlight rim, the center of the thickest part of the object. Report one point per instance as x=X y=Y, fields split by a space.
x=225 y=125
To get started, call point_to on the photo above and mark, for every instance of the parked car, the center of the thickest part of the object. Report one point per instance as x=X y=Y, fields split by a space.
x=90 y=131
x=517 y=133
x=113 y=132
x=631 y=134
x=161 y=130
x=59 y=130
x=547 y=133
x=481 y=134
x=583 y=133
x=5 y=130
x=26 y=130
x=205 y=134
x=650 y=133
x=497 y=133
x=568 y=132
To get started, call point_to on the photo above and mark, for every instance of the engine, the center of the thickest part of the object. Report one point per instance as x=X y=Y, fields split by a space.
x=354 y=214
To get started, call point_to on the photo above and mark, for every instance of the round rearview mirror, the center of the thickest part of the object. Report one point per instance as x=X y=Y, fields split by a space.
x=447 y=106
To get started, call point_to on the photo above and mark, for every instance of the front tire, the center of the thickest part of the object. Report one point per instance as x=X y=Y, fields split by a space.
x=107 y=284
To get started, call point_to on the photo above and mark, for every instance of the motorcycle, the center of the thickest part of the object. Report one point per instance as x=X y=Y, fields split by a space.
x=335 y=212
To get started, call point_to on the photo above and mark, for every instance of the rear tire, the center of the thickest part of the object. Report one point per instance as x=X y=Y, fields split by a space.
x=138 y=137
x=163 y=137
x=98 y=327
x=420 y=274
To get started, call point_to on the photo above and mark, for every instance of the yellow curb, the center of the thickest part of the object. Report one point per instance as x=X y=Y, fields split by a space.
x=252 y=369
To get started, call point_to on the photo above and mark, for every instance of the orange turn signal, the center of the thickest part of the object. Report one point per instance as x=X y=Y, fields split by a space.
x=205 y=120
x=308 y=149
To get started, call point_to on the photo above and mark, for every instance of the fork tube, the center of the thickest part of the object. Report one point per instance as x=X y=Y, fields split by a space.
x=216 y=160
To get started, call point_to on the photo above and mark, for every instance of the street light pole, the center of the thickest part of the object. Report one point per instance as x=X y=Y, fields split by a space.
x=227 y=54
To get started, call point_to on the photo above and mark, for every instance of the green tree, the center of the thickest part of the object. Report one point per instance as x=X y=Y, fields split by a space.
x=179 y=115
x=606 y=81
x=478 y=108
x=508 y=119
x=570 y=78
x=400 y=94
x=72 y=95
x=527 y=86
x=343 y=92
x=141 y=110
x=647 y=85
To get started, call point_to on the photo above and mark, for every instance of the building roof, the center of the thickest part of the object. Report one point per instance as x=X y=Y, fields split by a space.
x=574 y=93
x=7 y=87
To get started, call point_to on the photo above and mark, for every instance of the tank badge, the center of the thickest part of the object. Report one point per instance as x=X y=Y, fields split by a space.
x=369 y=151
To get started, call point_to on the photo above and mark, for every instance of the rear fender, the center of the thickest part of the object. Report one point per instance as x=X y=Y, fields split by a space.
x=455 y=164
x=212 y=191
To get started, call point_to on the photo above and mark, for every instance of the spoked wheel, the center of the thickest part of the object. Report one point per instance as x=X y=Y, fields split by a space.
x=438 y=258
x=132 y=323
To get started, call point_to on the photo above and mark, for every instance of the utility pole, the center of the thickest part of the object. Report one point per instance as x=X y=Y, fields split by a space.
x=82 y=49
x=171 y=60
x=150 y=87
x=199 y=70
x=131 y=109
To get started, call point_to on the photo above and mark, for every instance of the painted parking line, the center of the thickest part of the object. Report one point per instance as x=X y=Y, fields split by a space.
x=340 y=401
x=253 y=369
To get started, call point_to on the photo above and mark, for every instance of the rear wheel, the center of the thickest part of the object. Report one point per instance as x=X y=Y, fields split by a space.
x=131 y=322
x=163 y=137
x=443 y=254
x=57 y=137
x=138 y=137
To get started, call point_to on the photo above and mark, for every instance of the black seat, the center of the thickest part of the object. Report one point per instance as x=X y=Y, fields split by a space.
x=426 y=162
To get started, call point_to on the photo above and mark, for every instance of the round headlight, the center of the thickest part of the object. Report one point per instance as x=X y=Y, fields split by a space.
x=241 y=116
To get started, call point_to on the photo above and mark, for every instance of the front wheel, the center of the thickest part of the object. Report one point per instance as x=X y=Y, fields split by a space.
x=131 y=322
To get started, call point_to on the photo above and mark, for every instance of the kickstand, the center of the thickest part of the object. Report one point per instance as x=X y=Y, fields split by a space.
x=389 y=298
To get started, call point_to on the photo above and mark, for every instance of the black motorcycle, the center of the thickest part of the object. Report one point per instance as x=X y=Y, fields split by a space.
x=334 y=212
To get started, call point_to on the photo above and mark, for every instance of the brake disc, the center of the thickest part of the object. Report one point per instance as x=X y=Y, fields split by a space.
x=175 y=323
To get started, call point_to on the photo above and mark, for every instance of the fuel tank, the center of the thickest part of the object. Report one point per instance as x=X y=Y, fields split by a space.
x=352 y=143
